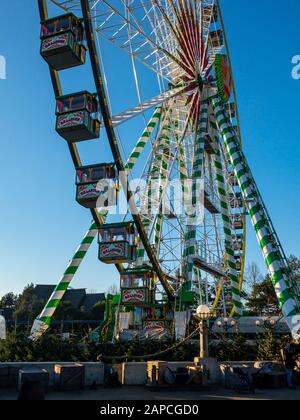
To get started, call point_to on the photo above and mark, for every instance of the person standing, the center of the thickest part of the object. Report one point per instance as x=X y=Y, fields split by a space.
x=290 y=364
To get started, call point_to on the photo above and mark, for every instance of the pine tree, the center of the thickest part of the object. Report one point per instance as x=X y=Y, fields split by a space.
x=268 y=348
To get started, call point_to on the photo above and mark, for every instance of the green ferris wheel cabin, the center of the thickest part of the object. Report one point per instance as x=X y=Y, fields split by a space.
x=62 y=42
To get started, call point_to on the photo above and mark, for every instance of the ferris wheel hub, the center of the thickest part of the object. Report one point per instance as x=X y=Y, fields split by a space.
x=200 y=82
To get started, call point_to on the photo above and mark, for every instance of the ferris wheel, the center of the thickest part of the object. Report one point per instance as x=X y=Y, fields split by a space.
x=176 y=156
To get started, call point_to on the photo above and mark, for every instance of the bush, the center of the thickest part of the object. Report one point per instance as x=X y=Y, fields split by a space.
x=51 y=348
x=232 y=349
x=268 y=346
x=17 y=348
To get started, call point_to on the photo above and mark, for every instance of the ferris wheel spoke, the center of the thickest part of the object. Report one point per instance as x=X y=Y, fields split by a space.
x=186 y=55
x=160 y=216
x=146 y=197
x=113 y=27
x=159 y=28
x=151 y=103
x=67 y=5
x=162 y=165
x=152 y=196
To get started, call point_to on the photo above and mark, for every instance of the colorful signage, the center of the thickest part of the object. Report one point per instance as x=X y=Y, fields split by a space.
x=70 y=120
x=55 y=42
x=88 y=191
x=154 y=325
x=114 y=250
x=223 y=77
x=134 y=296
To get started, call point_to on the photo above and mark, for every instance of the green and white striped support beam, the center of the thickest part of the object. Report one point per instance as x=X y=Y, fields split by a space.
x=182 y=167
x=267 y=240
x=43 y=321
x=144 y=139
x=191 y=234
x=183 y=174
x=227 y=225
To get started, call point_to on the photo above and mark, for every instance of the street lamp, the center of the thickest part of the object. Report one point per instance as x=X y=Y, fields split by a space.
x=265 y=323
x=227 y=324
x=203 y=314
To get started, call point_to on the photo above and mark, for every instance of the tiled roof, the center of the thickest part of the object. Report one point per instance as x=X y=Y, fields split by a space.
x=77 y=297
x=91 y=300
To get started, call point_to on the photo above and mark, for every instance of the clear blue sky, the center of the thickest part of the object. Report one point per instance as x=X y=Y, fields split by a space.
x=41 y=223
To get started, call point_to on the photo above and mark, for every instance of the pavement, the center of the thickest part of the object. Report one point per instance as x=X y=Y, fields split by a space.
x=134 y=393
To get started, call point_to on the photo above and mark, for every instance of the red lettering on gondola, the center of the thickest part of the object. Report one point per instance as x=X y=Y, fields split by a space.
x=134 y=295
x=70 y=120
x=154 y=325
x=88 y=191
x=55 y=42
x=112 y=250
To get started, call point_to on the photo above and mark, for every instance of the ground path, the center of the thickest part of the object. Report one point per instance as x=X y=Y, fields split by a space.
x=141 y=393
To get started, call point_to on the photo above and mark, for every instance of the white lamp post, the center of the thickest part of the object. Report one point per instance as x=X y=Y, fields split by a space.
x=203 y=314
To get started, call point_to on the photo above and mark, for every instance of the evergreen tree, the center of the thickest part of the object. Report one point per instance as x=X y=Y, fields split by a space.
x=8 y=301
x=263 y=300
x=28 y=306
x=268 y=347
